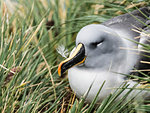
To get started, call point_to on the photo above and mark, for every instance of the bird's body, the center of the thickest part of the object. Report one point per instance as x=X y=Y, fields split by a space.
x=109 y=51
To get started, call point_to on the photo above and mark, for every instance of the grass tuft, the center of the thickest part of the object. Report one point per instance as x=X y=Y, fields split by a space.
x=30 y=33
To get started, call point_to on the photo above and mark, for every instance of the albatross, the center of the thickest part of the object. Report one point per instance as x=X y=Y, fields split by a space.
x=103 y=51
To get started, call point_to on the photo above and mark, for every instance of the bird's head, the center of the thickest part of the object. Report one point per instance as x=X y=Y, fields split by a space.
x=96 y=46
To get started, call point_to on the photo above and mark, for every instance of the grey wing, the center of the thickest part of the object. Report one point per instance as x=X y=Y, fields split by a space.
x=129 y=21
x=143 y=63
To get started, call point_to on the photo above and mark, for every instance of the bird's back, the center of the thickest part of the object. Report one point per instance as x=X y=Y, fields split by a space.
x=133 y=25
x=129 y=21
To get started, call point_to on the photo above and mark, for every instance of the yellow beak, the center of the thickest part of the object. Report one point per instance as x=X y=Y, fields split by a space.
x=78 y=57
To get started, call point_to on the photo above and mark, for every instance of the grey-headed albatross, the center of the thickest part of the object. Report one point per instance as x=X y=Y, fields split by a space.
x=103 y=51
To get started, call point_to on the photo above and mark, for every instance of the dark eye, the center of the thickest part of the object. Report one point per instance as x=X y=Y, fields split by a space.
x=95 y=44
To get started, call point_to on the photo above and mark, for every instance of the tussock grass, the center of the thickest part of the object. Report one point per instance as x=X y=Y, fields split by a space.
x=30 y=33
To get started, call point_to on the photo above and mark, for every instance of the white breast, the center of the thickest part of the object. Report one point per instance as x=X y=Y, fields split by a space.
x=81 y=79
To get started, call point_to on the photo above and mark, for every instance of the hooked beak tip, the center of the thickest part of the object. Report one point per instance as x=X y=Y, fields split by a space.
x=59 y=69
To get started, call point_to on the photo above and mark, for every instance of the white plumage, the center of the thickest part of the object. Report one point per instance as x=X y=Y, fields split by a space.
x=108 y=49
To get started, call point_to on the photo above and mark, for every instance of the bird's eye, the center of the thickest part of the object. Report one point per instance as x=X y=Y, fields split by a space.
x=95 y=44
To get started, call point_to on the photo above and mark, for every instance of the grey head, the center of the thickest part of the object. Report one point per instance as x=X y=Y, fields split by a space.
x=97 y=47
x=102 y=46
